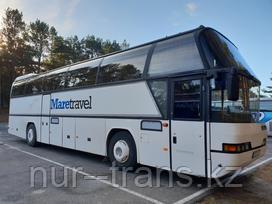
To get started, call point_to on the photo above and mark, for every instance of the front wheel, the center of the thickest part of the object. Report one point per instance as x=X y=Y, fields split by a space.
x=31 y=135
x=122 y=150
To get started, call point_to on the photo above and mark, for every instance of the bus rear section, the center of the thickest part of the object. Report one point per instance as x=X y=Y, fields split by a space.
x=182 y=103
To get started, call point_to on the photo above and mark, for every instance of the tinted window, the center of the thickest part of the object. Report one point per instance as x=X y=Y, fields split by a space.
x=159 y=91
x=175 y=55
x=54 y=81
x=222 y=53
x=18 y=89
x=124 y=66
x=81 y=77
x=33 y=86
x=187 y=99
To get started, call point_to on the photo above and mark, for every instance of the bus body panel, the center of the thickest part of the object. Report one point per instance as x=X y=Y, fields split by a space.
x=56 y=131
x=69 y=133
x=224 y=163
x=266 y=118
x=269 y=127
x=188 y=152
x=18 y=125
x=30 y=106
x=154 y=147
x=45 y=123
x=235 y=133
x=128 y=100
x=91 y=135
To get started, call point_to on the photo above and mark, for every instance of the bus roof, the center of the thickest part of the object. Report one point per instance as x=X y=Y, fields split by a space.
x=26 y=76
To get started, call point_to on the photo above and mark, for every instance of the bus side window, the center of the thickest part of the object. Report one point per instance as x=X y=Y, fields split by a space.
x=187 y=100
x=33 y=87
x=54 y=82
x=18 y=89
x=159 y=91
x=81 y=77
x=175 y=55
x=123 y=66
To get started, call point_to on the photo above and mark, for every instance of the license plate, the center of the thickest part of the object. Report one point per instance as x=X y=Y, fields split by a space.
x=256 y=153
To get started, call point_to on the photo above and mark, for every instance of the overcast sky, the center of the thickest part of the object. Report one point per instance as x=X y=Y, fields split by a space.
x=248 y=23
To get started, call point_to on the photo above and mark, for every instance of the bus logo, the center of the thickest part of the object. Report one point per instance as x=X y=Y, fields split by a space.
x=71 y=104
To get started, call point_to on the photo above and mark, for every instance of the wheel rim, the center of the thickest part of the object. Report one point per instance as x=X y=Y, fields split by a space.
x=30 y=135
x=121 y=151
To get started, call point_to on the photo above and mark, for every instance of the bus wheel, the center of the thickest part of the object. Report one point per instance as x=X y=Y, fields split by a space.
x=31 y=136
x=122 y=150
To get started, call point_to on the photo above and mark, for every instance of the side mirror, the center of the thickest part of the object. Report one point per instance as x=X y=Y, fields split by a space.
x=233 y=85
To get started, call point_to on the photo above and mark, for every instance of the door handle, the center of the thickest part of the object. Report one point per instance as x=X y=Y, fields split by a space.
x=175 y=140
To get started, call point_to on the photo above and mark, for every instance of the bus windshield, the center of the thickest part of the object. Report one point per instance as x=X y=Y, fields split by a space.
x=222 y=53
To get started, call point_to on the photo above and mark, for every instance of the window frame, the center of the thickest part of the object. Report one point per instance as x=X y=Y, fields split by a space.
x=201 y=100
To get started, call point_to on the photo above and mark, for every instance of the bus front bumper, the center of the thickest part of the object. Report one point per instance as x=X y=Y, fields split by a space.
x=226 y=163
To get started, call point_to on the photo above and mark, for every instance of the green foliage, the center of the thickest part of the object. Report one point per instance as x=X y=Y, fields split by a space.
x=38 y=47
x=13 y=51
x=37 y=36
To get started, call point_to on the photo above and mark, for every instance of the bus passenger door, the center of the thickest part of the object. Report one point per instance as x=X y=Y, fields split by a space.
x=187 y=127
x=45 y=123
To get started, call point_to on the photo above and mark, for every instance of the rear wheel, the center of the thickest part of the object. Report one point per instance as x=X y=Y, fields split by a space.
x=122 y=150
x=31 y=135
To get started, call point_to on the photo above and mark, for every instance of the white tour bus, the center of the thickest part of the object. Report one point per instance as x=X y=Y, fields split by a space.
x=151 y=104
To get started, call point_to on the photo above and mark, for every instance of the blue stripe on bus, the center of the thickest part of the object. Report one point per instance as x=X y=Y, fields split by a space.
x=265 y=117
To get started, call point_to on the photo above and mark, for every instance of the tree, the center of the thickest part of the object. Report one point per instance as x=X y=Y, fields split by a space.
x=37 y=47
x=59 y=55
x=124 y=45
x=75 y=49
x=13 y=51
x=109 y=47
x=268 y=89
x=92 y=46
x=38 y=37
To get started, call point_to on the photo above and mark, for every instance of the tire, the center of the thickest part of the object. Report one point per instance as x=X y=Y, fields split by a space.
x=31 y=135
x=122 y=150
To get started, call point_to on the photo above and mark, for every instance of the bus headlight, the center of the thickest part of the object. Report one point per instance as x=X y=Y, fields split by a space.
x=237 y=148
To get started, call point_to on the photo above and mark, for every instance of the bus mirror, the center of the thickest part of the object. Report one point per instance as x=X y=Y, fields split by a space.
x=233 y=85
